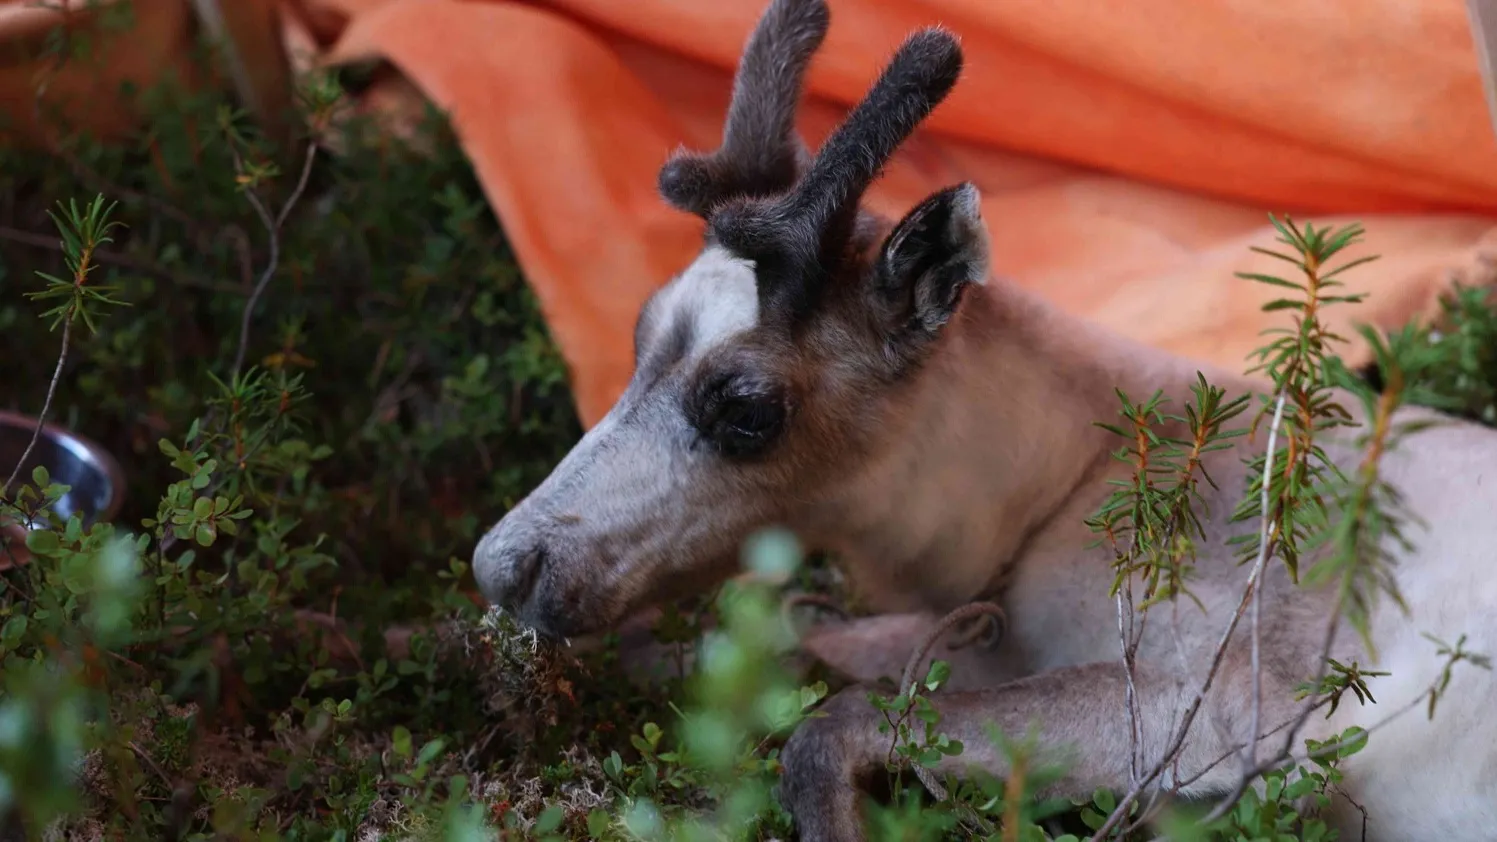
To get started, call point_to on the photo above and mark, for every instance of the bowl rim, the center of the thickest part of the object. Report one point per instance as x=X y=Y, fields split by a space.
x=78 y=445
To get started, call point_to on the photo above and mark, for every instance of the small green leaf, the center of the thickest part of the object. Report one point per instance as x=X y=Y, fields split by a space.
x=12 y=631
x=430 y=751
x=1352 y=740
x=1092 y=818
x=812 y=694
x=401 y=739
x=549 y=819
x=43 y=542
x=613 y=766
x=1300 y=788
x=939 y=672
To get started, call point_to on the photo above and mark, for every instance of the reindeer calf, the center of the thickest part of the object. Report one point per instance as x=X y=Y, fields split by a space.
x=861 y=383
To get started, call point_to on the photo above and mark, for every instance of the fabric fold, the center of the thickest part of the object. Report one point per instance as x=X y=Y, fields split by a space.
x=1128 y=154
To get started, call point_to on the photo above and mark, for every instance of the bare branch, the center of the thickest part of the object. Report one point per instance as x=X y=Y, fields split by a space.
x=301 y=185
x=1128 y=643
x=1266 y=527
x=273 y=227
x=41 y=418
x=1286 y=757
x=1177 y=742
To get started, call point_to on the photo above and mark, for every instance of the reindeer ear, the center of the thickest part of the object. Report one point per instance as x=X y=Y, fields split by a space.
x=928 y=260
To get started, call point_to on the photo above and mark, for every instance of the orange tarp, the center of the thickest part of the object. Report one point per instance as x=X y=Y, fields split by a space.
x=1128 y=153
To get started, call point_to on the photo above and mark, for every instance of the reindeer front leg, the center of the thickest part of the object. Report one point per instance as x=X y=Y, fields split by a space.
x=1084 y=707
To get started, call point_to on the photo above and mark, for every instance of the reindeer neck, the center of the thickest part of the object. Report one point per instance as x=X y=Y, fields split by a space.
x=995 y=437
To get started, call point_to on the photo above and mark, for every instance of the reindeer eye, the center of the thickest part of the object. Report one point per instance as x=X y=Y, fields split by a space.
x=745 y=425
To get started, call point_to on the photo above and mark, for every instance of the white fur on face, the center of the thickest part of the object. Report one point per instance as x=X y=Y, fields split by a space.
x=715 y=299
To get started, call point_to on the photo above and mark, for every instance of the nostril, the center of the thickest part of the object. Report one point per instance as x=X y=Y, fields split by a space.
x=507 y=570
x=527 y=571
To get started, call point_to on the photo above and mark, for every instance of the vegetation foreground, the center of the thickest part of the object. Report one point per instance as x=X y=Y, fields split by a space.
x=323 y=374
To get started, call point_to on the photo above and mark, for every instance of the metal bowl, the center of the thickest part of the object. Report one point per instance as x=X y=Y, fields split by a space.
x=94 y=479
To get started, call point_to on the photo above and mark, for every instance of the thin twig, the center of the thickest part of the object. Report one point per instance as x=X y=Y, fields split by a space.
x=41 y=419
x=273 y=228
x=1265 y=549
x=151 y=762
x=1287 y=757
x=1252 y=770
x=1224 y=756
x=1188 y=720
x=1296 y=725
x=301 y=185
x=67 y=328
x=1285 y=754
x=907 y=678
x=1127 y=641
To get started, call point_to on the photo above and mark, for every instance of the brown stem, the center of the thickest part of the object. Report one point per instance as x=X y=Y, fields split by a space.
x=273 y=227
x=41 y=419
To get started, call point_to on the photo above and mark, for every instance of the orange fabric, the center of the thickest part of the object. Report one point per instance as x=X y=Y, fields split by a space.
x=1127 y=152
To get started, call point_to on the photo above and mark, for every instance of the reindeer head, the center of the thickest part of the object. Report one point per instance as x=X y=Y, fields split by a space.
x=768 y=369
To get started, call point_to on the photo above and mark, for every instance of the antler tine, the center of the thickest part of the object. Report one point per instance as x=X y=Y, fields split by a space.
x=812 y=221
x=761 y=153
x=916 y=80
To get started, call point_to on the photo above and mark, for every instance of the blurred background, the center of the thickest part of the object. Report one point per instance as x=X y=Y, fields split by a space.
x=377 y=264
x=1127 y=155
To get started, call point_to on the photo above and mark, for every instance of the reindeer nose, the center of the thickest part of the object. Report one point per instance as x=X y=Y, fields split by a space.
x=506 y=569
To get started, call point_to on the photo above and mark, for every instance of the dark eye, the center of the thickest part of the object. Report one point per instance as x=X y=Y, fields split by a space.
x=745 y=425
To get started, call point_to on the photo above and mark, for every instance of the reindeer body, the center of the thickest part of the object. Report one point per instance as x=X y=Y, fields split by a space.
x=1009 y=526
x=861 y=383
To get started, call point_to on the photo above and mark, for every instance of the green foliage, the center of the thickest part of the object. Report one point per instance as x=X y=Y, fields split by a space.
x=283 y=594
x=277 y=640
x=1456 y=355
x=83 y=231
x=1151 y=522
x=1304 y=403
x=1346 y=526
x=741 y=701
x=1286 y=809
x=1452 y=655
